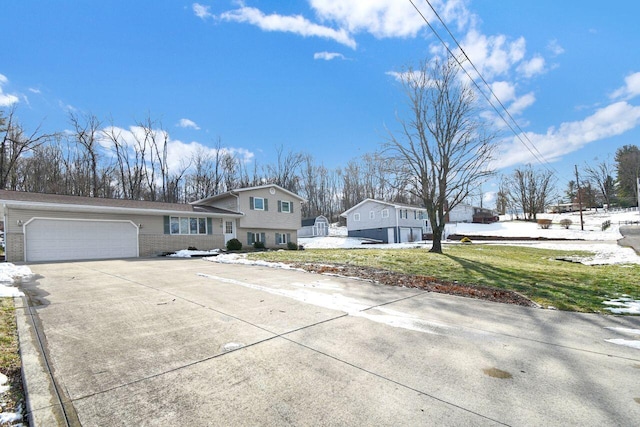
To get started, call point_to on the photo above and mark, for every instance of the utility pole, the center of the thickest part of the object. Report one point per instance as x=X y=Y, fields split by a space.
x=579 y=199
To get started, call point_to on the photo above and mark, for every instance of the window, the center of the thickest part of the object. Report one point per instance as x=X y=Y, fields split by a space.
x=258 y=203
x=255 y=237
x=285 y=206
x=372 y=214
x=283 y=238
x=385 y=213
x=228 y=227
x=183 y=225
x=356 y=217
x=415 y=214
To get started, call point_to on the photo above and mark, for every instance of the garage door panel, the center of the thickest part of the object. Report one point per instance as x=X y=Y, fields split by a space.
x=58 y=240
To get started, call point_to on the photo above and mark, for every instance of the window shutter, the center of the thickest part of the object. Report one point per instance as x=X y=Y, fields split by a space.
x=288 y=237
x=251 y=203
x=266 y=204
x=209 y=226
x=290 y=207
x=167 y=225
x=278 y=241
x=263 y=238
x=279 y=205
x=249 y=238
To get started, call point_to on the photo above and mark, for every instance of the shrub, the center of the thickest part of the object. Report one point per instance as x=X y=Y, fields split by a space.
x=234 y=245
x=258 y=245
x=544 y=223
x=292 y=246
x=566 y=223
x=465 y=240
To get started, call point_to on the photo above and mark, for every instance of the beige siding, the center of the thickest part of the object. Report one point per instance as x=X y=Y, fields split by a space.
x=270 y=236
x=156 y=244
x=270 y=219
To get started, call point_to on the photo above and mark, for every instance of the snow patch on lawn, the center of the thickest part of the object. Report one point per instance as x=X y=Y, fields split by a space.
x=623 y=305
x=8 y=417
x=9 y=275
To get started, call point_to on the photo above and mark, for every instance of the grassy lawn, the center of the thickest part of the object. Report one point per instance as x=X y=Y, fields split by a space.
x=532 y=272
x=9 y=356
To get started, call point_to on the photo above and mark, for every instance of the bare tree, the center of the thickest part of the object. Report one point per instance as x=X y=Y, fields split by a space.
x=530 y=190
x=14 y=143
x=601 y=175
x=86 y=133
x=443 y=145
x=285 y=172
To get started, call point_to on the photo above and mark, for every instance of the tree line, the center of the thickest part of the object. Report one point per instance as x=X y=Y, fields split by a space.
x=96 y=160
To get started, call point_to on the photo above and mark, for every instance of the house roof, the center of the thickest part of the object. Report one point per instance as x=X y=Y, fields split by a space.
x=97 y=203
x=241 y=190
x=394 y=205
x=312 y=220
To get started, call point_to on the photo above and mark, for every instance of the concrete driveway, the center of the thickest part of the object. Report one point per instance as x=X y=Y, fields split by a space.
x=190 y=342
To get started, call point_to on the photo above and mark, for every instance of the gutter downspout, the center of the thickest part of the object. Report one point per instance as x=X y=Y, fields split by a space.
x=397 y=233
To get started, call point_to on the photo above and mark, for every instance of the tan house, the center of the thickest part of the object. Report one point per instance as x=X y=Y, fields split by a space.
x=49 y=227
x=271 y=214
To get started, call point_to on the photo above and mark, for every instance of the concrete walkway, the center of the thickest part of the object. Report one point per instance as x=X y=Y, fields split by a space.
x=189 y=342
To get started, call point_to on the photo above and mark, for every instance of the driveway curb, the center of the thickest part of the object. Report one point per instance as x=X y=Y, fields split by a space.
x=44 y=407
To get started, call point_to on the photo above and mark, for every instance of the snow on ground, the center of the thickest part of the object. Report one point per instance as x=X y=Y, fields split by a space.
x=623 y=305
x=187 y=253
x=242 y=259
x=603 y=244
x=9 y=274
x=635 y=343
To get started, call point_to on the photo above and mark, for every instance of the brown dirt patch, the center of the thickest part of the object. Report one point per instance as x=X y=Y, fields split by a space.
x=428 y=283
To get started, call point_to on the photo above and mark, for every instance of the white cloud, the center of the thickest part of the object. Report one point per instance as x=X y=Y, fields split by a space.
x=179 y=153
x=6 y=99
x=381 y=18
x=493 y=55
x=34 y=90
x=522 y=103
x=612 y=120
x=555 y=47
x=328 y=56
x=201 y=11
x=532 y=67
x=505 y=91
x=295 y=24
x=186 y=123
x=631 y=88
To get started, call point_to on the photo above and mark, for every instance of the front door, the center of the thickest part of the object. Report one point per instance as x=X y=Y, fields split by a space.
x=229 y=231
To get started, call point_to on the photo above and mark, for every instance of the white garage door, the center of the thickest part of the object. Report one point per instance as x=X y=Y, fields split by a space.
x=405 y=235
x=58 y=240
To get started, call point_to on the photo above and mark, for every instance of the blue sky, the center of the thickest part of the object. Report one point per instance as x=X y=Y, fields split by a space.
x=318 y=76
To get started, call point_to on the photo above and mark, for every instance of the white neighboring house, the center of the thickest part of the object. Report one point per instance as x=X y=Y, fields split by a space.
x=461 y=213
x=314 y=227
x=387 y=222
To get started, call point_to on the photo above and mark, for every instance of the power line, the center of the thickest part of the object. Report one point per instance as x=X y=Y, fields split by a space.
x=533 y=149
